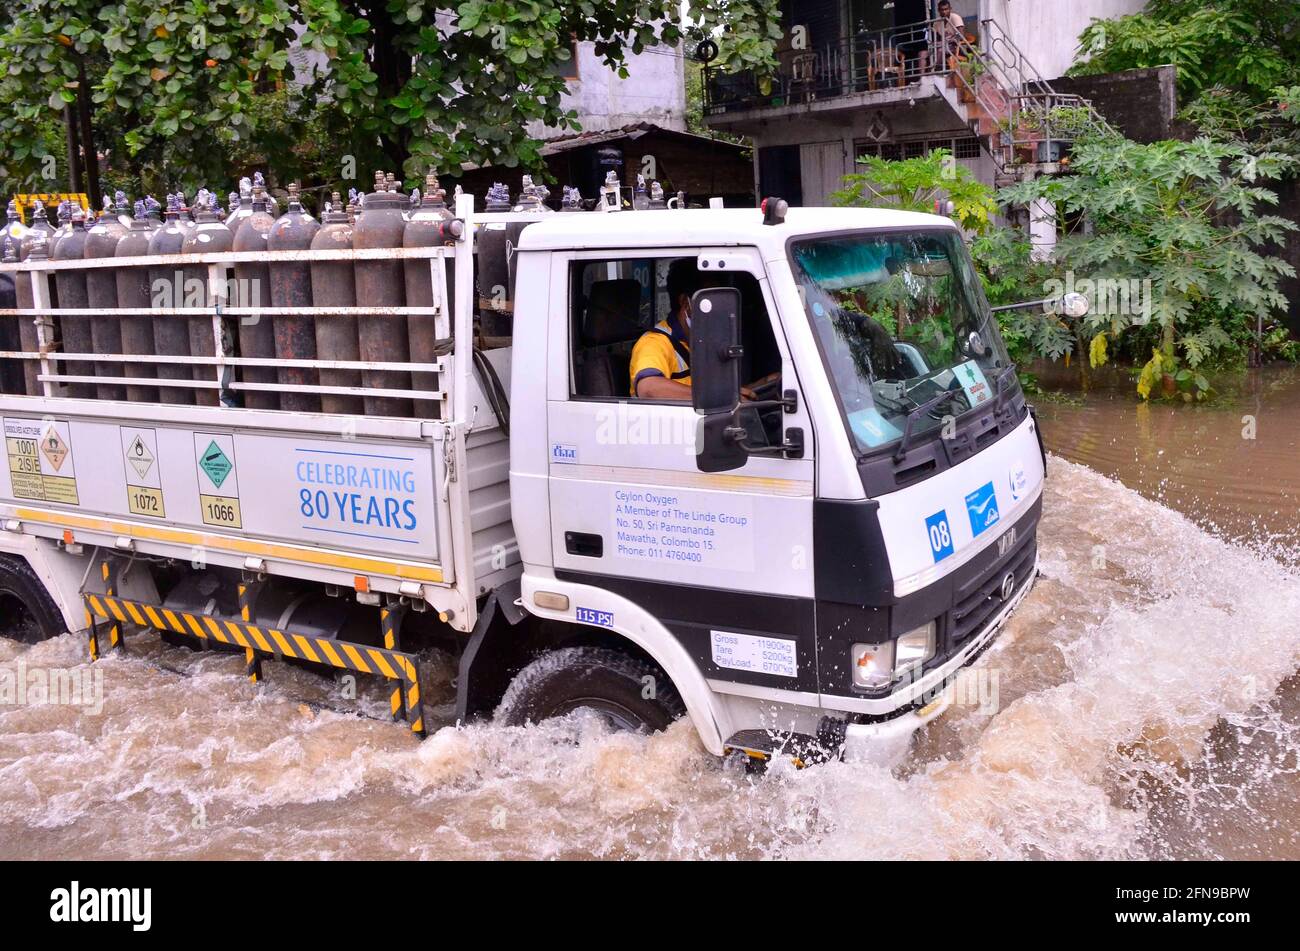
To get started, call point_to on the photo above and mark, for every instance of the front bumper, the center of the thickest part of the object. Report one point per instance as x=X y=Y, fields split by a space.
x=887 y=741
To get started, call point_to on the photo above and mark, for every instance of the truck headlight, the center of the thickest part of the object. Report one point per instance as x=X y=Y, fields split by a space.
x=914 y=649
x=879 y=665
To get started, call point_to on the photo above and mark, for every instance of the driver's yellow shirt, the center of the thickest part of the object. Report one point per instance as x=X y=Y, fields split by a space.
x=664 y=351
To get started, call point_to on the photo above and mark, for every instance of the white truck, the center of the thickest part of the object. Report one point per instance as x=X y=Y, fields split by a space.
x=799 y=569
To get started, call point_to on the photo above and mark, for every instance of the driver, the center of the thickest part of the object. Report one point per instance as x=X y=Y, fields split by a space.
x=661 y=359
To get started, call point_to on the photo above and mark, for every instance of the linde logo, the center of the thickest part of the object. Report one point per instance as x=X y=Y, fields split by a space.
x=77 y=904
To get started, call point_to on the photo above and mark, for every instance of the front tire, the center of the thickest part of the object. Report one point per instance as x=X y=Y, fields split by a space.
x=629 y=694
x=27 y=612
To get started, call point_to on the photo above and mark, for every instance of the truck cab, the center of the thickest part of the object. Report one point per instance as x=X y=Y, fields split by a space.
x=814 y=557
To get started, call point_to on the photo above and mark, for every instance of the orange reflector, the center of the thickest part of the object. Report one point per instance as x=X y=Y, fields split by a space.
x=67 y=537
x=361 y=583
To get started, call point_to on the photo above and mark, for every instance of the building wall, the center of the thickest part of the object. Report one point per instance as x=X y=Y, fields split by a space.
x=828 y=150
x=655 y=91
x=1047 y=31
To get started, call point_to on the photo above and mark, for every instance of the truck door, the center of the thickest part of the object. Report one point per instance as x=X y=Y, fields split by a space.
x=724 y=561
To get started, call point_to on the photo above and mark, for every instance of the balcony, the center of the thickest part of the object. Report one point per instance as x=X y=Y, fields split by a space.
x=981 y=79
x=890 y=65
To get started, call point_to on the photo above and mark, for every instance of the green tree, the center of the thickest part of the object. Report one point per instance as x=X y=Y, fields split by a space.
x=916 y=184
x=175 y=83
x=1249 y=46
x=1187 y=216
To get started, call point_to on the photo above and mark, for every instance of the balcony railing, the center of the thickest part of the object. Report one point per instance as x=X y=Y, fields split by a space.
x=866 y=62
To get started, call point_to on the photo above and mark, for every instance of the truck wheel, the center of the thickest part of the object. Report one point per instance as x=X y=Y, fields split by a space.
x=27 y=612
x=608 y=683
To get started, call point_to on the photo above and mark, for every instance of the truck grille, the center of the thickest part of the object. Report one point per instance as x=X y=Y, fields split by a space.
x=982 y=597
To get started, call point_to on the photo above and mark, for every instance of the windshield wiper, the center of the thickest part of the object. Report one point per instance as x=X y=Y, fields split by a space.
x=916 y=414
x=999 y=392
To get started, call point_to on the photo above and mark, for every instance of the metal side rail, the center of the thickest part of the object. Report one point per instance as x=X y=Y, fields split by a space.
x=107 y=614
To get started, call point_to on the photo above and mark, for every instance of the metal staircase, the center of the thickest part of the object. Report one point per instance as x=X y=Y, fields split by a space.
x=1026 y=124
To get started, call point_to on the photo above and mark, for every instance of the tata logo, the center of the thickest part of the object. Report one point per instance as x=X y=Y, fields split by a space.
x=1008 y=586
x=563 y=453
x=1007 y=541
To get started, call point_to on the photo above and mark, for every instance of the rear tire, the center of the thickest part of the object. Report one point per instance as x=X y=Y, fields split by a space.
x=27 y=612
x=607 y=682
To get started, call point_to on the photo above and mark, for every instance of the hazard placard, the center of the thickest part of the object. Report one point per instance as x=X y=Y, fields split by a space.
x=218 y=480
x=144 y=495
x=41 y=464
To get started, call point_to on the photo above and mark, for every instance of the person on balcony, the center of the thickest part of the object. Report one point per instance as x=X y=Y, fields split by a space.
x=949 y=32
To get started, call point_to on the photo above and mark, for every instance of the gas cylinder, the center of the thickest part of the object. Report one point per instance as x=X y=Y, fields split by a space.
x=241 y=205
x=74 y=332
x=36 y=252
x=171 y=336
x=208 y=236
x=491 y=269
x=64 y=217
x=101 y=293
x=12 y=377
x=133 y=291
x=657 y=201
x=333 y=284
x=531 y=200
x=13 y=226
x=18 y=287
x=424 y=229
x=256 y=332
x=295 y=337
x=381 y=283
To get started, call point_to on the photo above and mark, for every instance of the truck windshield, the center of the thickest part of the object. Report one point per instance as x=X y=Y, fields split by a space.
x=901 y=323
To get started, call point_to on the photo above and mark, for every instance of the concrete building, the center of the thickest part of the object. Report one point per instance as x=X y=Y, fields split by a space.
x=877 y=77
x=654 y=92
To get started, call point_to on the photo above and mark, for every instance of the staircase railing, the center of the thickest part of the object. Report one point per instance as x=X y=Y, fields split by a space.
x=1033 y=122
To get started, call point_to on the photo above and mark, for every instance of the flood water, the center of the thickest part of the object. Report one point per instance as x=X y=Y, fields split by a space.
x=1143 y=702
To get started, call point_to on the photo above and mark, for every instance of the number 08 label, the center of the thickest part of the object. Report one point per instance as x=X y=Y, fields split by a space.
x=940 y=533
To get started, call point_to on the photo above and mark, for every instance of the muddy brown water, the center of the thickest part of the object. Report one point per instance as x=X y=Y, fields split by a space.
x=1143 y=703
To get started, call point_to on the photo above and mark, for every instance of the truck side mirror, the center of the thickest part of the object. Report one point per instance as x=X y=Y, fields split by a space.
x=715 y=350
x=715 y=377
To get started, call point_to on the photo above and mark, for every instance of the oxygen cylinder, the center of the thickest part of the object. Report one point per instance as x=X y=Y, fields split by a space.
x=13 y=227
x=208 y=236
x=74 y=332
x=12 y=378
x=657 y=201
x=241 y=205
x=424 y=229
x=64 y=216
x=531 y=200
x=101 y=293
x=36 y=252
x=171 y=336
x=491 y=268
x=381 y=283
x=256 y=333
x=12 y=234
x=333 y=284
x=295 y=337
x=133 y=291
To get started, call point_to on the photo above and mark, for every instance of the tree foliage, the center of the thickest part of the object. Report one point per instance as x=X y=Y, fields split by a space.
x=177 y=83
x=915 y=184
x=1251 y=46
x=1190 y=218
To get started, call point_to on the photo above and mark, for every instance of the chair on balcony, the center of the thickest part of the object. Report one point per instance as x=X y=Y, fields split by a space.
x=885 y=66
x=803 y=77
